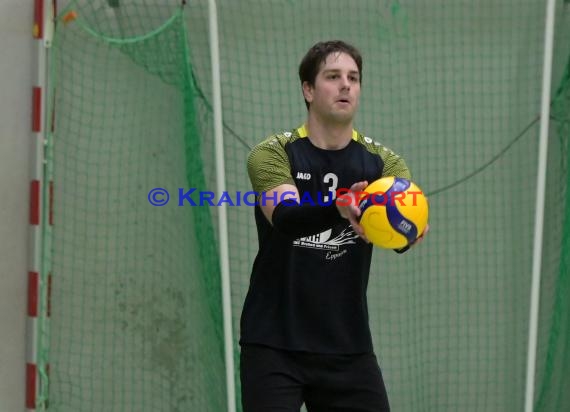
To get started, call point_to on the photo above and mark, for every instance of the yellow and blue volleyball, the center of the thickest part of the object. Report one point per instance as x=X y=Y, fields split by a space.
x=394 y=212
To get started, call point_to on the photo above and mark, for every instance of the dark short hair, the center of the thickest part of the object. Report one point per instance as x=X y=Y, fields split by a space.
x=317 y=55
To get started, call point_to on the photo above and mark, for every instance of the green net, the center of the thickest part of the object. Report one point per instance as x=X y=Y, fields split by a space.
x=453 y=86
x=136 y=322
x=552 y=393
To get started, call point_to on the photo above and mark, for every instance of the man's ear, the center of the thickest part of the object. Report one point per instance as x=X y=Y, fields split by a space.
x=308 y=91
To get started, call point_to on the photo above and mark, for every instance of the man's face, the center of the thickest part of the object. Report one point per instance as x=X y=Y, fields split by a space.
x=336 y=92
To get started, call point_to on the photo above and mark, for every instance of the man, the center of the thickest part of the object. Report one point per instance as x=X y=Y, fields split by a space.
x=305 y=335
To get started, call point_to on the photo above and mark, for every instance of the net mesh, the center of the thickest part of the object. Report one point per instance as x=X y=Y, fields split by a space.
x=136 y=322
x=453 y=86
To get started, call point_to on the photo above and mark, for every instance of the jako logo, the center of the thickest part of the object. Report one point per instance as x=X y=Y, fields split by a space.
x=303 y=176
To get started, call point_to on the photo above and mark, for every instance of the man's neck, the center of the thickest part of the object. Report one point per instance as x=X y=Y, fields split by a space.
x=329 y=136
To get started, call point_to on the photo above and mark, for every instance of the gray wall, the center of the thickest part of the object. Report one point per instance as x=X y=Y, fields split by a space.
x=17 y=56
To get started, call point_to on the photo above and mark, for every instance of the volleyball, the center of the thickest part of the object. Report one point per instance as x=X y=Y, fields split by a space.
x=394 y=212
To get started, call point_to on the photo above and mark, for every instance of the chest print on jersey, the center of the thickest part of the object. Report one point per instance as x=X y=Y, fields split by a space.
x=326 y=241
x=334 y=255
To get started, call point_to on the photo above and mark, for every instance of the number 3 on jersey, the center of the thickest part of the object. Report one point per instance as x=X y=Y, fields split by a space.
x=331 y=180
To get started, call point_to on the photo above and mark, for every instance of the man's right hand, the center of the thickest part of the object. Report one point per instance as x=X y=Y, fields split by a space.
x=347 y=205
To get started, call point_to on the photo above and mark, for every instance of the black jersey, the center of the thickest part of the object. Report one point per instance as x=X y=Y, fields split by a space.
x=309 y=294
